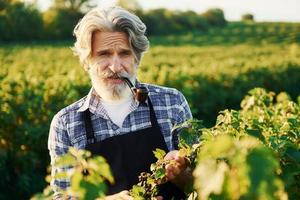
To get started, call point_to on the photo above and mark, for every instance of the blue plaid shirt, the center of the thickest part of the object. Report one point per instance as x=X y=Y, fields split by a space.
x=68 y=129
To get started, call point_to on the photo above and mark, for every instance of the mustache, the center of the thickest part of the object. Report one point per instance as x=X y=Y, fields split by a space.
x=96 y=71
x=110 y=74
x=115 y=75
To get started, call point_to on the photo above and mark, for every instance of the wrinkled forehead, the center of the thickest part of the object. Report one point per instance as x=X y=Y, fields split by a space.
x=109 y=39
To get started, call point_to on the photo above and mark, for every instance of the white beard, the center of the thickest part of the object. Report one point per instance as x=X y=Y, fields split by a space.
x=108 y=91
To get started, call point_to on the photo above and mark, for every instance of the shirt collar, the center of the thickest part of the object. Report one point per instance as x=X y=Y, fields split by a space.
x=85 y=105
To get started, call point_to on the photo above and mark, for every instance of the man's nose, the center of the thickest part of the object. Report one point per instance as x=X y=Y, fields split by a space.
x=116 y=64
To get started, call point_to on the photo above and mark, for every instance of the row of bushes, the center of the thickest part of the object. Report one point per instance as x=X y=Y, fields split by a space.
x=37 y=81
x=162 y=21
x=27 y=109
x=207 y=96
x=24 y=22
x=252 y=153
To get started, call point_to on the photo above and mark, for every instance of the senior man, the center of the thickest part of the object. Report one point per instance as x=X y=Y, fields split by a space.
x=110 y=121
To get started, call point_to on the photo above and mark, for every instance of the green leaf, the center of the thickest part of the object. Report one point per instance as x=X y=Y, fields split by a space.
x=262 y=174
x=218 y=147
x=187 y=137
x=100 y=166
x=61 y=175
x=182 y=152
x=152 y=166
x=293 y=122
x=92 y=191
x=209 y=178
x=65 y=160
x=159 y=154
x=160 y=173
x=75 y=184
x=293 y=153
x=138 y=192
x=256 y=133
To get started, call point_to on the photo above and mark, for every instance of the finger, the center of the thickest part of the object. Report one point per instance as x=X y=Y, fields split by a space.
x=176 y=158
x=181 y=162
x=170 y=172
x=171 y=155
x=169 y=168
x=124 y=192
x=159 y=198
x=125 y=195
x=180 y=159
x=174 y=168
x=170 y=176
x=173 y=171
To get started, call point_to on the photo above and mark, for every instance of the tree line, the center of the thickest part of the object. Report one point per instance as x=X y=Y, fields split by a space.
x=21 y=21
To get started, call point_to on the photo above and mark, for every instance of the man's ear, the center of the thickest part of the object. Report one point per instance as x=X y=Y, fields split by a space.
x=87 y=65
x=86 y=68
x=136 y=63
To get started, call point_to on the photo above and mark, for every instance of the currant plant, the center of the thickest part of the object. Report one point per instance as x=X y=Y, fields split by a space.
x=88 y=176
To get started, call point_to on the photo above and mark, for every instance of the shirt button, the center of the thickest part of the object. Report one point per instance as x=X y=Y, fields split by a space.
x=114 y=127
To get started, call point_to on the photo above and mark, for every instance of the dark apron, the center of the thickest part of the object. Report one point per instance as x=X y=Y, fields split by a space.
x=130 y=154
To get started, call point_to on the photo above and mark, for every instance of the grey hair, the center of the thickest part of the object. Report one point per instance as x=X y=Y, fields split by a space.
x=109 y=19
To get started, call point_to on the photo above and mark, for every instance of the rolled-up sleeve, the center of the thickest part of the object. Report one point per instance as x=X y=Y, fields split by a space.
x=184 y=112
x=58 y=144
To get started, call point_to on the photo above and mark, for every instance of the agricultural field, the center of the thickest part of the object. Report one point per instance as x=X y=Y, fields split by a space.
x=213 y=70
x=237 y=33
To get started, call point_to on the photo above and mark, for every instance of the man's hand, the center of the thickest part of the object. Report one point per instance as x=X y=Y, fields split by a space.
x=123 y=195
x=176 y=167
x=177 y=170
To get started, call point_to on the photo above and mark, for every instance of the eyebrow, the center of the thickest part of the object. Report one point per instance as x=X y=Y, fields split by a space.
x=126 y=50
x=108 y=50
x=103 y=51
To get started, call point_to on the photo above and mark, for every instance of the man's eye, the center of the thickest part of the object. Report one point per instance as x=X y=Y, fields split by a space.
x=125 y=53
x=103 y=54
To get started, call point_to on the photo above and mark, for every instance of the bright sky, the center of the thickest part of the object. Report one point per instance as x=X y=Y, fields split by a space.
x=263 y=10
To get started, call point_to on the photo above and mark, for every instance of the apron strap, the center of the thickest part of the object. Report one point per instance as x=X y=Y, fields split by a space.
x=175 y=139
x=152 y=114
x=89 y=127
